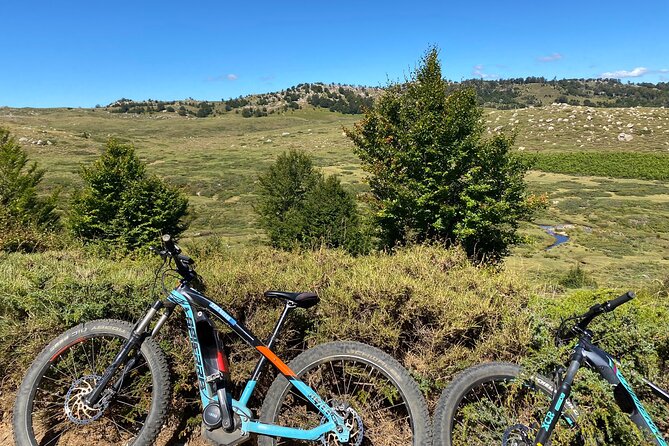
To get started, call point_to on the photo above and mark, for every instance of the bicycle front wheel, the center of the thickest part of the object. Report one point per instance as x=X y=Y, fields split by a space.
x=51 y=409
x=497 y=404
x=375 y=395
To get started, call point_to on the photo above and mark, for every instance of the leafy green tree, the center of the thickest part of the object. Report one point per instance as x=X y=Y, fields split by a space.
x=25 y=218
x=122 y=204
x=282 y=189
x=298 y=206
x=434 y=177
x=330 y=217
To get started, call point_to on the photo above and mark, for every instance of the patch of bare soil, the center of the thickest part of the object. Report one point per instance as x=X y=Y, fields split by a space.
x=168 y=436
x=6 y=433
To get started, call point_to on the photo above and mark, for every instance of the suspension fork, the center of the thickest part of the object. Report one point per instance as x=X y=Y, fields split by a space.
x=137 y=337
x=561 y=395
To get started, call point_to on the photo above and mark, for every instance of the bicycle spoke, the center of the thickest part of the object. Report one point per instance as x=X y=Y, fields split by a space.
x=352 y=387
x=58 y=396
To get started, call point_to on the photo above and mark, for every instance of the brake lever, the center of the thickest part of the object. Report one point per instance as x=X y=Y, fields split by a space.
x=161 y=252
x=558 y=373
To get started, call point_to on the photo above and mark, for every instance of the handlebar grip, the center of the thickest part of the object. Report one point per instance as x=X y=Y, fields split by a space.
x=170 y=246
x=618 y=301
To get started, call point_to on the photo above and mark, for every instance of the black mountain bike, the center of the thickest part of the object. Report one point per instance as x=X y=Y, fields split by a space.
x=498 y=403
x=106 y=382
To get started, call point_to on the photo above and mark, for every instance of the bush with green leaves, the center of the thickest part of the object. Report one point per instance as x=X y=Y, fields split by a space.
x=124 y=205
x=434 y=176
x=577 y=277
x=298 y=206
x=25 y=219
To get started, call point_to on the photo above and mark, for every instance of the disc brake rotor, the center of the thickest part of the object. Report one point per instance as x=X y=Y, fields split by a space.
x=353 y=423
x=76 y=408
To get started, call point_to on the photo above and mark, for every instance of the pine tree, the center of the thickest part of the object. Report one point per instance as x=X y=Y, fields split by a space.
x=298 y=206
x=25 y=218
x=434 y=177
x=122 y=204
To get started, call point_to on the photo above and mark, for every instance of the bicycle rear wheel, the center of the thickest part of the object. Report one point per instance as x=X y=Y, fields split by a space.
x=50 y=408
x=374 y=394
x=497 y=404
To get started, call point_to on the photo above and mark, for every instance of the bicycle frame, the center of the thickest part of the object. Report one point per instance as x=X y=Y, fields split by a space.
x=190 y=300
x=603 y=363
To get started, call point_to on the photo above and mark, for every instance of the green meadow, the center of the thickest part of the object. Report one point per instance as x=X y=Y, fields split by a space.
x=602 y=169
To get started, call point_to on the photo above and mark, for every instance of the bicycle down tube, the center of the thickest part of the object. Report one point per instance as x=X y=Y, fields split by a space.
x=190 y=300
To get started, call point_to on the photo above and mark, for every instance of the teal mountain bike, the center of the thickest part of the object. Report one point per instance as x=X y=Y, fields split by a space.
x=499 y=404
x=106 y=382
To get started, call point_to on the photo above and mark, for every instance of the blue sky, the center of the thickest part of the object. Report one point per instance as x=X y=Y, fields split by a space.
x=76 y=53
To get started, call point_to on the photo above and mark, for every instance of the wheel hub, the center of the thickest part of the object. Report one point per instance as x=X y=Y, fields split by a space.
x=353 y=423
x=76 y=408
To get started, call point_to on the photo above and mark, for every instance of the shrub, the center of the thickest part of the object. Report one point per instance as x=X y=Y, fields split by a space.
x=433 y=175
x=300 y=207
x=25 y=218
x=577 y=277
x=204 y=109
x=330 y=217
x=124 y=205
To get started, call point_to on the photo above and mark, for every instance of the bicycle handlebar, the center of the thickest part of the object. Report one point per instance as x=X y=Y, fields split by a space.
x=171 y=247
x=618 y=301
x=183 y=262
x=604 y=307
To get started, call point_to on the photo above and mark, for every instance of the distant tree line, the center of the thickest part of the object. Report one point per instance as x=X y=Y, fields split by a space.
x=343 y=101
x=335 y=97
x=124 y=105
x=509 y=93
x=348 y=99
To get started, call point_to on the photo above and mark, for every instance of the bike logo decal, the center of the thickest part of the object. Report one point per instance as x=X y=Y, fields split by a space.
x=548 y=420
x=223 y=313
x=551 y=414
x=195 y=345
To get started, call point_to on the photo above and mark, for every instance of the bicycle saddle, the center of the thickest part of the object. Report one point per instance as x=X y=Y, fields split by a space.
x=302 y=300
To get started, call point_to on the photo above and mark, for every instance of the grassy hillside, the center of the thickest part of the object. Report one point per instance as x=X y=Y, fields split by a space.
x=215 y=160
x=595 y=179
x=503 y=94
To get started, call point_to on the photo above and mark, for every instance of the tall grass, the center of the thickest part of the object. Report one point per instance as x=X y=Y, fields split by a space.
x=427 y=306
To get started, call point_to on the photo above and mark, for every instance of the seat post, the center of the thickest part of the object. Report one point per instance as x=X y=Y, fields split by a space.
x=279 y=324
x=270 y=341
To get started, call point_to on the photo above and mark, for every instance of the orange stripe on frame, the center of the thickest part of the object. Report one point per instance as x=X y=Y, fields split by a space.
x=283 y=368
